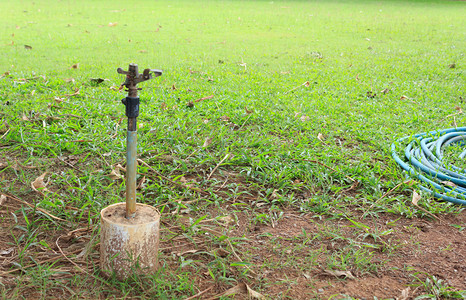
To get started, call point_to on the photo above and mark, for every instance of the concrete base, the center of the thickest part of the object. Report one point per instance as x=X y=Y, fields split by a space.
x=128 y=245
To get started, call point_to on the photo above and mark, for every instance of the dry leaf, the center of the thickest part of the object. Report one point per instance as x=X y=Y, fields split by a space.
x=449 y=183
x=98 y=80
x=163 y=106
x=304 y=118
x=76 y=92
x=275 y=195
x=141 y=183
x=222 y=252
x=338 y=273
x=39 y=185
x=207 y=142
x=404 y=97
x=404 y=294
x=371 y=94
x=27 y=47
x=205 y=121
x=458 y=109
x=67 y=80
x=204 y=98
x=7 y=251
x=183 y=180
x=237 y=289
x=75 y=66
x=120 y=167
x=190 y=104
x=112 y=24
x=2 y=199
x=227 y=220
x=3 y=165
x=225 y=118
x=320 y=136
x=416 y=198
x=24 y=118
x=241 y=288
x=254 y=294
x=452 y=66
x=306 y=84
x=115 y=174
x=59 y=100
x=248 y=111
x=385 y=91
x=142 y=51
x=173 y=86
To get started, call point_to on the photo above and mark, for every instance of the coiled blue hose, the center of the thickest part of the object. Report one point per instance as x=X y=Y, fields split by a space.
x=423 y=160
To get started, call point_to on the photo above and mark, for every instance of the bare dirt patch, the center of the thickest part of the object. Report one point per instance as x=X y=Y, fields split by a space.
x=295 y=256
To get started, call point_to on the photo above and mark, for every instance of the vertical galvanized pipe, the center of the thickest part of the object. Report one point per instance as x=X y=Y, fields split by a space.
x=131 y=154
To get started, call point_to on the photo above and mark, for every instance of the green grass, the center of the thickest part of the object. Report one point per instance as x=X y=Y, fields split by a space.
x=292 y=82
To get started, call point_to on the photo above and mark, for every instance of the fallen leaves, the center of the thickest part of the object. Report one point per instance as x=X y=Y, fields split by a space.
x=385 y=91
x=204 y=98
x=98 y=80
x=415 y=201
x=337 y=273
x=320 y=137
x=112 y=24
x=416 y=198
x=405 y=294
x=404 y=97
x=449 y=183
x=2 y=199
x=39 y=185
x=75 y=66
x=27 y=47
x=115 y=173
x=371 y=94
x=304 y=118
x=305 y=84
x=207 y=142
x=76 y=92
x=241 y=288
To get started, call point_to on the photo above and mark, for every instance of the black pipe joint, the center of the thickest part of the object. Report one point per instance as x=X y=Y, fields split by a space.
x=132 y=106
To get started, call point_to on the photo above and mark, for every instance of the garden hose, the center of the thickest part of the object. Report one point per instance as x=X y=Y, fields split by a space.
x=423 y=160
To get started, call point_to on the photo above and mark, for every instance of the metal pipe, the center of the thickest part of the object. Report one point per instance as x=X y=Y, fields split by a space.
x=131 y=152
x=132 y=112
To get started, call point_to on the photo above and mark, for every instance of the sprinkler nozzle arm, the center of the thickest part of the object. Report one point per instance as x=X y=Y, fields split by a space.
x=133 y=77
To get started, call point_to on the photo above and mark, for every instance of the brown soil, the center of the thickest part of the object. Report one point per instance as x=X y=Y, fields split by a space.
x=285 y=262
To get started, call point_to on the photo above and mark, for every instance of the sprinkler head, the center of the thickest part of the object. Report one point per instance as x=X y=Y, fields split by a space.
x=133 y=78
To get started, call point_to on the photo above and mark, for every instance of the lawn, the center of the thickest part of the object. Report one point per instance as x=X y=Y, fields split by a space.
x=265 y=145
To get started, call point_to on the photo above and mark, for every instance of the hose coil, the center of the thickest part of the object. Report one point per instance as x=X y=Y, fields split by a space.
x=423 y=160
